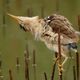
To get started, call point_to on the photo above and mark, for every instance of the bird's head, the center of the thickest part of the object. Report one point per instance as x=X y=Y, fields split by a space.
x=28 y=23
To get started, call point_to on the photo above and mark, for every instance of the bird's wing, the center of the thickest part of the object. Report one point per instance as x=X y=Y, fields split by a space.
x=57 y=21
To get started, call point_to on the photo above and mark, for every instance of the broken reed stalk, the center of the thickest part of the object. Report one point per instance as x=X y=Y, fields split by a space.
x=45 y=75
x=10 y=74
x=53 y=71
x=34 y=64
x=17 y=63
x=59 y=56
x=77 y=65
x=74 y=73
x=27 y=64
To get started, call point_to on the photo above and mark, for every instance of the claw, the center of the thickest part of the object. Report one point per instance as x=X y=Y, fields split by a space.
x=60 y=68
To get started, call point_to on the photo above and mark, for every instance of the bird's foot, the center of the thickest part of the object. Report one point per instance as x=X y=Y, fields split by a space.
x=60 y=67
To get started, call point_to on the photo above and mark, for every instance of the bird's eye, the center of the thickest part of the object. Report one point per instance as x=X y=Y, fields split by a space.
x=50 y=17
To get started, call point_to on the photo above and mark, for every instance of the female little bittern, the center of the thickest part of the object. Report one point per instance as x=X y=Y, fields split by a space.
x=47 y=29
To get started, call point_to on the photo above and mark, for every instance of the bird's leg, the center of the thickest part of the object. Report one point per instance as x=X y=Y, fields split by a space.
x=66 y=58
x=58 y=60
x=61 y=65
x=56 y=57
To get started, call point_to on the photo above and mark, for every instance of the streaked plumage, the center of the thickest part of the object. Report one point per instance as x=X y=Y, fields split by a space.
x=46 y=30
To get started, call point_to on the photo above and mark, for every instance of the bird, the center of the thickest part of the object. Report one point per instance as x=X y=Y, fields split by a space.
x=46 y=30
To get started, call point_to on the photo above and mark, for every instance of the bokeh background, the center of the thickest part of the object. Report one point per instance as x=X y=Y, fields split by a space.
x=13 y=40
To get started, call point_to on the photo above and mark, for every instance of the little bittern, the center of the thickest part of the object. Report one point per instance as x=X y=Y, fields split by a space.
x=47 y=29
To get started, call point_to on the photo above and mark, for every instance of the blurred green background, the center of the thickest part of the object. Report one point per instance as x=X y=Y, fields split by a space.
x=13 y=40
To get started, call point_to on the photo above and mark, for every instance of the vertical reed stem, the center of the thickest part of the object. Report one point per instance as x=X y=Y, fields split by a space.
x=34 y=64
x=59 y=56
x=10 y=75
x=77 y=54
x=53 y=71
x=1 y=76
x=79 y=21
x=17 y=63
x=45 y=75
x=74 y=73
x=77 y=64
x=27 y=64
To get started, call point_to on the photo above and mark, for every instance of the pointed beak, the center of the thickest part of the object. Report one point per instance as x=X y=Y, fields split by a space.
x=14 y=17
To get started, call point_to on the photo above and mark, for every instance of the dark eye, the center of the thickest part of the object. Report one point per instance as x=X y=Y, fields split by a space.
x=49 y=18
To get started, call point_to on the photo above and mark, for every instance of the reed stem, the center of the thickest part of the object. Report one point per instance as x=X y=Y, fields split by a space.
x=45 y=75
x=79 y=21
x=74 y=73
x=59 y=56
x=10 y=74
x=53 y=71
x=77 y=65
x=27 y=64
x=34 y=64
x=17 y=63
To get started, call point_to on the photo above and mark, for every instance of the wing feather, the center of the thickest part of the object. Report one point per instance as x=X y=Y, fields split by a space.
x=59 y=21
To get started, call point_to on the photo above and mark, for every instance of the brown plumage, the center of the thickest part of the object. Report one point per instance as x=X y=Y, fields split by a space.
x=58 y=21
x=46 y=30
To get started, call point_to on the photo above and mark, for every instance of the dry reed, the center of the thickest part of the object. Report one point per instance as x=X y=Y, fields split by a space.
x=59 y=56
x=10 y=75
x=34 y=64
x=77 y=65
x=45 y=75
x=74 y=73
x=17 y=63
x=53 y=71
x=27 y=64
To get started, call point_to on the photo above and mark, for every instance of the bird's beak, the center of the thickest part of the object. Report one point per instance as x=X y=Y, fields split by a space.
x=14 y=17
